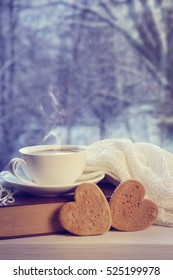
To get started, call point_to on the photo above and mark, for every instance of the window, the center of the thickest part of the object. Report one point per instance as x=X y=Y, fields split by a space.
x=78 y=71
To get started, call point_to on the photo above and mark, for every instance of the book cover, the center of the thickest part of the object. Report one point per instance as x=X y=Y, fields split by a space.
x=36 y=215
x=31 y=215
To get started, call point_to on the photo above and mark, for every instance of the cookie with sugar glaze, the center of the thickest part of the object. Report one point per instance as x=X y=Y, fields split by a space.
x=130 y=210
x=89 y=214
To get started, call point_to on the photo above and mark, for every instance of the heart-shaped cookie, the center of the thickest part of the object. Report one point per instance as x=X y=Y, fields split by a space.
x=130 y=211
x=89 y=214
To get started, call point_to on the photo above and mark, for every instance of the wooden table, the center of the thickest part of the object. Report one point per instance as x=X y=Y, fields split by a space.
x=154 y=242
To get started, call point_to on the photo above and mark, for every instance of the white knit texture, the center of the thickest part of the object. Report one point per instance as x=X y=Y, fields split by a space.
x=145 y=162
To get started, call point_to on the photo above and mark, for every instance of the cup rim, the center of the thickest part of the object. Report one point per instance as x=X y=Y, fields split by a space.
x=30 y=150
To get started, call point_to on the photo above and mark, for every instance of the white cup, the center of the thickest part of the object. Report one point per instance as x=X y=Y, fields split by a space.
x=53 y=165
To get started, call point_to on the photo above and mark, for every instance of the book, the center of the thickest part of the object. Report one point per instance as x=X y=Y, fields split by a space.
x=33 y=215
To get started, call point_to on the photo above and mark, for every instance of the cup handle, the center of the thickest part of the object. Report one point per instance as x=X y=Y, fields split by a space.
x=16 y=164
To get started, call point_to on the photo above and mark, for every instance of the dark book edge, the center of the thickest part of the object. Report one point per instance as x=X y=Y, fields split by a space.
x=22 y=198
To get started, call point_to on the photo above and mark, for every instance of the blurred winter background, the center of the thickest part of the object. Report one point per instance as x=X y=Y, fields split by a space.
x=76 y=71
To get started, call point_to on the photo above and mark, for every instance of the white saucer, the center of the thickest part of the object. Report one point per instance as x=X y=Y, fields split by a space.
x=48 y=190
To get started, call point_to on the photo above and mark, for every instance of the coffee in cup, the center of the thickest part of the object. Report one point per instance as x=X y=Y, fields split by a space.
x=50 y=164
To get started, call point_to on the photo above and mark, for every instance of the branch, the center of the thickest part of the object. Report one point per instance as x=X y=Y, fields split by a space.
x=90 y=18
x=120 y=2
x=147 y=31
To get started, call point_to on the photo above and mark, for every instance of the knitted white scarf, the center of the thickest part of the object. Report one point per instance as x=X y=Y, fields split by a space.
x=147 y=163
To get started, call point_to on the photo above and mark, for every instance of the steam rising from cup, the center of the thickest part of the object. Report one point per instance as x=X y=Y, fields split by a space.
x=53 y=115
